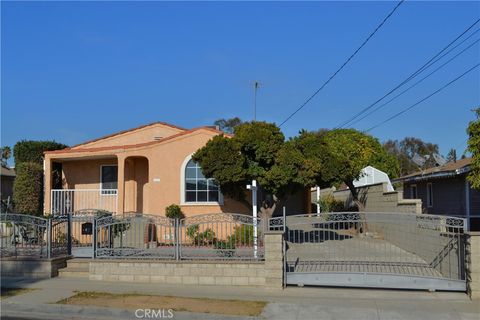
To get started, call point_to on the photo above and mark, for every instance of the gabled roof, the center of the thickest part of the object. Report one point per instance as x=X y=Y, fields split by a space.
x=449 y=169
x=131 y=146
x=129 y=130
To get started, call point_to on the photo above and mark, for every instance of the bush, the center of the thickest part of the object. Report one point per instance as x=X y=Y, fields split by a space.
x=28 y=188
x=328 y=203
x=200 y=238
x=173 y=211
x=244 y=234
x=32 y=151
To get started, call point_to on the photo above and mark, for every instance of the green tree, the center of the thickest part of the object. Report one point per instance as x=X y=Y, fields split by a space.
x=28 y=185
x=28 y=188
x=346 y=152
x=405 y=149
x=32 y=151
x=228 y=125
x=258 y=151
x=452 y=155
x=6 y=152
x=473 y=132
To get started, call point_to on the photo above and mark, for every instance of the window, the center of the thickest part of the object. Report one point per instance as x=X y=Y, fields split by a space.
x=109 y=178
x=197 y=187
x=429 y=195
x=413 y=191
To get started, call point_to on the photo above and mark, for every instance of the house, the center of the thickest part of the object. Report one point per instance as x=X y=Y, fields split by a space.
x=7 y=176
x=445 y=190
x=144 y=170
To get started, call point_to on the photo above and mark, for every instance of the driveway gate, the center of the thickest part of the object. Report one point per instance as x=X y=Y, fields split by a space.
x=383 y=250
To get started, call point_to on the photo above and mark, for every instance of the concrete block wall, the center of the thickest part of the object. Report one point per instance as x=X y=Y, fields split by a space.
x=221 y=273
x=31 y=268
x=377 y=199
x=473 y=265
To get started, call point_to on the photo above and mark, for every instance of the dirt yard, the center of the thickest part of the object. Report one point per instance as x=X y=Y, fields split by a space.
x=138 y=301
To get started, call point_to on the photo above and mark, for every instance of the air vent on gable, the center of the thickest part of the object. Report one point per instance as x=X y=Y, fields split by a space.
x=157 y=138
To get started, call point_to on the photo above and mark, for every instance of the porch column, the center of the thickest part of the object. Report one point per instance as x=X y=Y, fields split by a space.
x=47 y=184
x=121 y=184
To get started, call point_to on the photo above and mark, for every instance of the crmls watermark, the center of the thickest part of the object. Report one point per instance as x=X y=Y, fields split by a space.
x=154 y=313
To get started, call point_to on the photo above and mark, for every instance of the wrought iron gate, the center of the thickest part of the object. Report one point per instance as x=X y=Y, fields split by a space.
x=384 y=250
x=81 y=233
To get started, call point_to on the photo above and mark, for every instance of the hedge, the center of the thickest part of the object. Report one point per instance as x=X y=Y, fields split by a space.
x=28 y=188
x=32 y=151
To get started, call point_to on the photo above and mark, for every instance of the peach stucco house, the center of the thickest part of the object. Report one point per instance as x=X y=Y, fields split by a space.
x=144 y=169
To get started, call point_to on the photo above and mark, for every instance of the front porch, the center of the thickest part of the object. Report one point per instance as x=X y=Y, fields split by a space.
x=109 y=183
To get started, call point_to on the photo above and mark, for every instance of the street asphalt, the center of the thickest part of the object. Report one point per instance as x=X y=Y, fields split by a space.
x=303 y=303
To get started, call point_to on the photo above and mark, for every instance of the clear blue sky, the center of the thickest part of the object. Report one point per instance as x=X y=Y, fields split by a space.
x=76 y=71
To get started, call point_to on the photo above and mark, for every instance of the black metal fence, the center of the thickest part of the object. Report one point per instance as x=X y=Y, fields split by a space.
x=24 y=235
x=217 y=236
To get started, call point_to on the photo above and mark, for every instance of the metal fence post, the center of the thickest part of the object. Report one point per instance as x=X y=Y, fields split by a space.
x=177 y=238
x=94 y=238
x=69 y=234
x=49 y=238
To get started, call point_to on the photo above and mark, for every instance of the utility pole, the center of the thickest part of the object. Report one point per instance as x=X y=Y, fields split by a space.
x=256 y=84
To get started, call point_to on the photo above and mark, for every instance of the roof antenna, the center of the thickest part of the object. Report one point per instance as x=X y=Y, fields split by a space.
x=256 y=85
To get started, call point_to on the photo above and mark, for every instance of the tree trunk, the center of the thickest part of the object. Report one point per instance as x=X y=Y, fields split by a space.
x=353 y=190
x=360 y=227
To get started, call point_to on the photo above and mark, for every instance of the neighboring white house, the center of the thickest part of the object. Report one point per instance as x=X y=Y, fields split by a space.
x=371 y=175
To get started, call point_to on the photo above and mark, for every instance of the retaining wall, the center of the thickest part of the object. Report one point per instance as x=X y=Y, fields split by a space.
x=31 y=267
x=225 y=273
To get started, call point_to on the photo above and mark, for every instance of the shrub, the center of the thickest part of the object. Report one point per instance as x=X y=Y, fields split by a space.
x=173 y=211
x=328 y=203
x=32 y=151
x=28 y=188
x=200 y=238
x=244 y=234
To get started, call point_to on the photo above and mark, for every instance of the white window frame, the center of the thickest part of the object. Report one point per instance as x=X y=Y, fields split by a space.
x=411 y=191
x=102 y=193
x=429 y=196
x=183 y=202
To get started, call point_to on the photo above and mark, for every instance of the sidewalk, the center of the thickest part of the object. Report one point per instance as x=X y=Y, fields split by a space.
x=291 y=303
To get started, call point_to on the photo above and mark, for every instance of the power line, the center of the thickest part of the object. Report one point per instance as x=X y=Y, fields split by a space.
x=422 y=100
x=415 y=84
x=344 y=64
x=413 y=75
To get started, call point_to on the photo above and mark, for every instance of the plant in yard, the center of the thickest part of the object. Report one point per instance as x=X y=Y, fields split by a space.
x=174 y=211
x=473 y=131
x=258 y=150
x=243 y=234
x=204 y=238
x=28 y=188
x=328 y=203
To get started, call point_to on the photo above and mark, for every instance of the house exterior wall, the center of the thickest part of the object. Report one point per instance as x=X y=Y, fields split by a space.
x=146 y=134
x=161 y=183
x=448 y=195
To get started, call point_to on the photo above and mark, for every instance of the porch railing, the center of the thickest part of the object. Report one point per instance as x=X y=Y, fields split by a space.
x=64 y=201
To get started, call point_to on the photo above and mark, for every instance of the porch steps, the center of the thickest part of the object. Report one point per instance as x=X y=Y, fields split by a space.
x=76 y=268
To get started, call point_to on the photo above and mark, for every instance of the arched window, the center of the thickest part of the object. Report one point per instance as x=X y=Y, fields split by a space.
x=198 y=188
